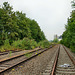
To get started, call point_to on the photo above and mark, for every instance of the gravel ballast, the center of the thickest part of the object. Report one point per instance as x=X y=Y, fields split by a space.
x=34 y=66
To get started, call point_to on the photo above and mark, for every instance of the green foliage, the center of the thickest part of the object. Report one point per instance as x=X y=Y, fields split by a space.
x=44 y=44
x=2 y=49
x=28 y=55
x=25 y=44
x=6 y=42
x=68 y=37
x=17 y=44
x=10 y=52
x=6 y=46
x=37 y=34
x=55 y=40
x=17 y=26
x=14 y=26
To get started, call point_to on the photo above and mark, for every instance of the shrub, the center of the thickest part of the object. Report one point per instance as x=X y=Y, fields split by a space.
x=26 y=43
x=44 y=44
x=6 y=46
x=17 y=44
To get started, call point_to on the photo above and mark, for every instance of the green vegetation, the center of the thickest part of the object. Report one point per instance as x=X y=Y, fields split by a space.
x=56 y=40
x=10 y=52
x=28 y=55
x=17 y=31
x=25 y=44
x=69 y=34
x=44 y=44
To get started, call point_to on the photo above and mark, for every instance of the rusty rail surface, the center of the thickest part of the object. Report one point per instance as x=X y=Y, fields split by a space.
x=16 y=56
x=13 y=65
x=55 y=61
x=69 y=56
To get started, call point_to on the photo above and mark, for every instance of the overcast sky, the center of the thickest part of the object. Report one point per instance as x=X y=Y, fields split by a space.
x=51 y=15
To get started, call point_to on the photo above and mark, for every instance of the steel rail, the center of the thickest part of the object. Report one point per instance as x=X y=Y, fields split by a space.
x=16 y=56
x=69 y=56
x=24 y=59
x=55 y=62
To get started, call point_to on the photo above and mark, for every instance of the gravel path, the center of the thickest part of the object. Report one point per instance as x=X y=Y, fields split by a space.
x=35 y=66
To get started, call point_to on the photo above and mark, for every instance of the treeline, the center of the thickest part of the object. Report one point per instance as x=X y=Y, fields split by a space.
x=15 y=26
x=68 y=37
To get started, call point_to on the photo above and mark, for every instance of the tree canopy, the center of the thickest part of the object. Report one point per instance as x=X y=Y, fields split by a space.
x=15 y=25
x=69 y=34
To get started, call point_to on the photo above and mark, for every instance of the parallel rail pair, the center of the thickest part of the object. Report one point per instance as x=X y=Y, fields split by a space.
x=54 y=67
x=16 y=60
x=63 y=70
x=51 y=69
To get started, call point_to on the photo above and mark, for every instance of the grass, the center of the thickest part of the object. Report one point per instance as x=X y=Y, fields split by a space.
x=28 y=55
x=10 y=52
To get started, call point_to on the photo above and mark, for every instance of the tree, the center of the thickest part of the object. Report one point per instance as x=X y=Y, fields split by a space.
x=15 y=25
x=69 y=34
x=22 y=22
x=73 y=3
x=36 y=32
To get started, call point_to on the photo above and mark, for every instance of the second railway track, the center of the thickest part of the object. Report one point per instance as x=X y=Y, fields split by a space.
x=9 y=63
x=61 y=63
x=65 y=65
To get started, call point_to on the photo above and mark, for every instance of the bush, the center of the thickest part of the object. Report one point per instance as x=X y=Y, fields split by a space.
x=33 y=44
x=44 y=44
x=6 y=46
x=17 y=44
x=25 y=44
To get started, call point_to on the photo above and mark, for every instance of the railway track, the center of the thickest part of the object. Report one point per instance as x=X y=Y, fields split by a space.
x=65 y=63
x=9 y=63
x=4 y=53
x=12 y=51
x=62 y=63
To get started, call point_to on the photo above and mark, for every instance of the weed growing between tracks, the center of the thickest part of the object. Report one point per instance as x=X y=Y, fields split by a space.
x=28 y=55
x=10 y=52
